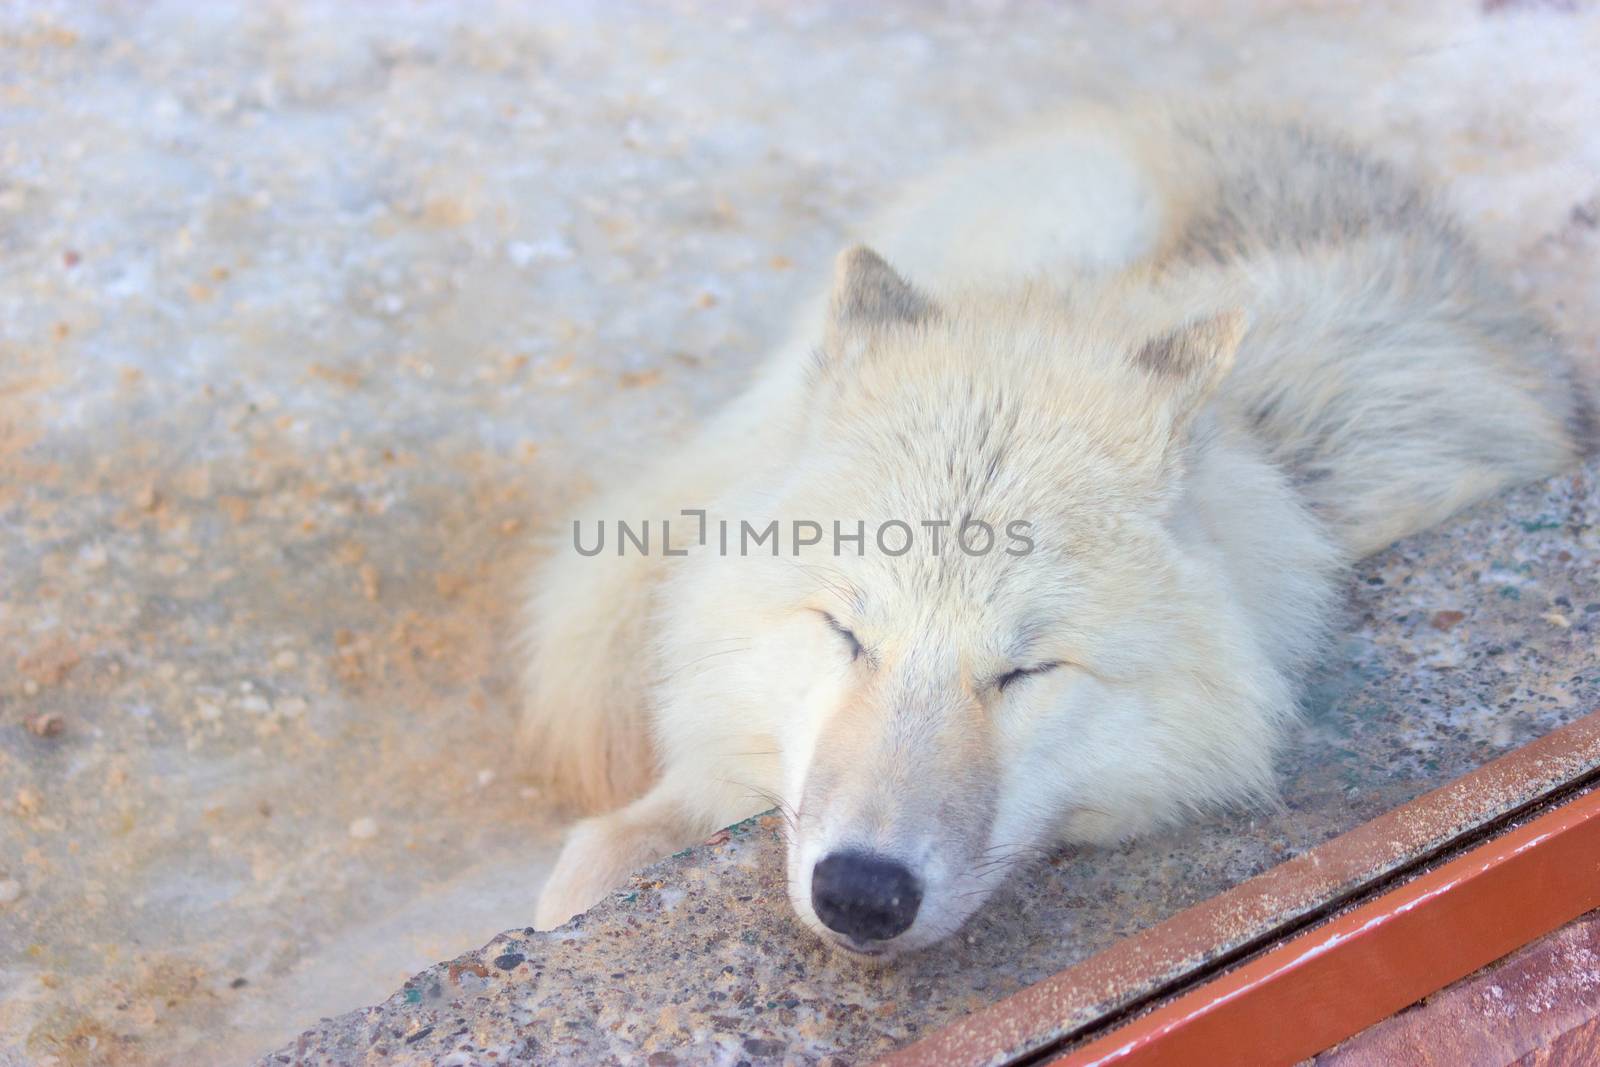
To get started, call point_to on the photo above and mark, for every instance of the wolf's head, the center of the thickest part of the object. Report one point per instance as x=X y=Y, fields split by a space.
x=1081 y=671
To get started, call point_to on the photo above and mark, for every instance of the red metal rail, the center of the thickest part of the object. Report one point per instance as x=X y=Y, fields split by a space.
x=1340 y=977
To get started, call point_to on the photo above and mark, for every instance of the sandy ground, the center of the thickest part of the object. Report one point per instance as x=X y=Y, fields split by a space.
x=309 y=313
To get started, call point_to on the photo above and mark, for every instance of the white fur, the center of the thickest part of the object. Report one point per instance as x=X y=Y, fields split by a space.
x=1076 y=362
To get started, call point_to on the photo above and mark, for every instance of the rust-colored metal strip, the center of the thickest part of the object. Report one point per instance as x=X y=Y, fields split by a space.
x=1161 y=960
x=1539 y=1005
x=1342 y=976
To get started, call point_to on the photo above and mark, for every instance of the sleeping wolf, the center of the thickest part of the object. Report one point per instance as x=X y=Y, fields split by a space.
x=1184 y=367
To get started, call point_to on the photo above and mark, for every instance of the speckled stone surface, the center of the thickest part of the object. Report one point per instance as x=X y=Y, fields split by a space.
x=1463 y=643
x=309 y=312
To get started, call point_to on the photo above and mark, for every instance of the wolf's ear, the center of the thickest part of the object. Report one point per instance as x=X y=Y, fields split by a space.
x=1188 y=363
x=868 y=295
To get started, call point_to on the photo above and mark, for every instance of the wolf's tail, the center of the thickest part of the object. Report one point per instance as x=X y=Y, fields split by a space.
x=583 y=732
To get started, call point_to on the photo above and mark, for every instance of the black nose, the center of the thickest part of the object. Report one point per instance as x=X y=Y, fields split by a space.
x=864 y=896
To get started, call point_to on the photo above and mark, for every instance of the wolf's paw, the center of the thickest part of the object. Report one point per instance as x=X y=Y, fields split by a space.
x=589 y=865
x=600 y=853
x=565 y=899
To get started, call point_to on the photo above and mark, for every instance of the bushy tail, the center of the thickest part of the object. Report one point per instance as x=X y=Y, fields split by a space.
x=584 y=733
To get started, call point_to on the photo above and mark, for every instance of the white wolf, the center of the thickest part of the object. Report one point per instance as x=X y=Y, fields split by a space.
x=1207 y=360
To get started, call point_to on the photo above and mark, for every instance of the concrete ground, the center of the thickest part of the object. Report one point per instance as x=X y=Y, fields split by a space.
x=310 y=312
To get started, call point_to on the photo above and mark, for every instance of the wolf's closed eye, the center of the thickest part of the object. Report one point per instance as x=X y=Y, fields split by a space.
x=1006 y=680
x=850 y=638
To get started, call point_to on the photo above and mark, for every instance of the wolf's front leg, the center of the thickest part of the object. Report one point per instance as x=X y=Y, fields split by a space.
x=601 y=852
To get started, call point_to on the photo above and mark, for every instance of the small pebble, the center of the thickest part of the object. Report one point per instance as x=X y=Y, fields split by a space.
x=485 y=776
x=48 y=725
x=207 y=711
x=364 y=828
x=285 y=660
x=10 y=891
